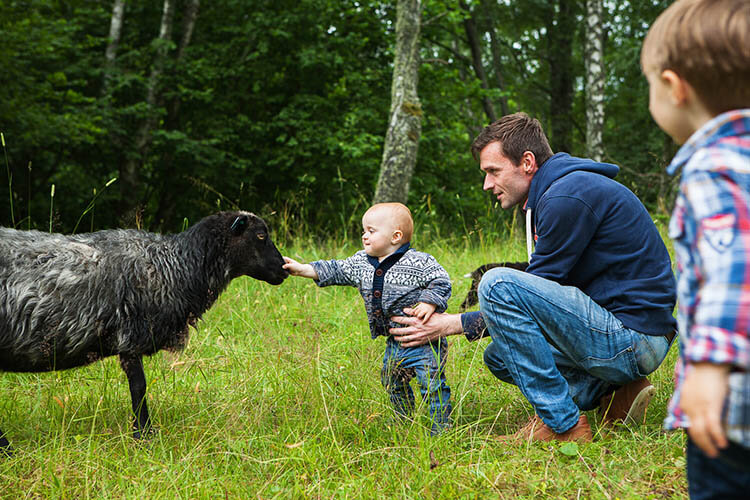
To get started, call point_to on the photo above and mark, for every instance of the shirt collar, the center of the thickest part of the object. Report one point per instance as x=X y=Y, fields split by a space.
x=394 y=256
x=726 y=124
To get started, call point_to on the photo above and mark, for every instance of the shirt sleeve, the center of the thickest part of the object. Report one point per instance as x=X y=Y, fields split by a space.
x=718 y=332
x=435 y=284
x=338 y=272
x=473 y=325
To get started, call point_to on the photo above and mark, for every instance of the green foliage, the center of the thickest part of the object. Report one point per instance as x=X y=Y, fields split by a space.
x=282 y=108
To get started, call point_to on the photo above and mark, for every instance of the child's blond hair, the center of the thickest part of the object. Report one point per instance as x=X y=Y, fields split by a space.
x=707 y=43
x=401 y=217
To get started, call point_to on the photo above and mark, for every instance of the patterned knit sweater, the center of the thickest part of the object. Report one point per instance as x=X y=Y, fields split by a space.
x=403 y=279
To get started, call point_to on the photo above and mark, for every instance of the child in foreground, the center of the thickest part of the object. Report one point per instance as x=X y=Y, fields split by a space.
x=696 y=58
x=391 y=276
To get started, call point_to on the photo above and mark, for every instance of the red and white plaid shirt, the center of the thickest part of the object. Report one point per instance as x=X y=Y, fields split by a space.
x=710 y=227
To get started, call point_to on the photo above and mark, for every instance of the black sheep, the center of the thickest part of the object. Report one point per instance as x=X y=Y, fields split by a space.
x=476 y=276
x=67 y=301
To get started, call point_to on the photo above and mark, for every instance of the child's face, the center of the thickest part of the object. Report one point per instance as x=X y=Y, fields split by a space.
x=380 y=237
x=665 y=107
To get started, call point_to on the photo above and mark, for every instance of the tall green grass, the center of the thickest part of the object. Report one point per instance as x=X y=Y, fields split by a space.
x=278 y=395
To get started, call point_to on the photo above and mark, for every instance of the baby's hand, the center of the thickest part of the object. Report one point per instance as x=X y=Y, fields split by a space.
x=423 y=311
x=297 y=269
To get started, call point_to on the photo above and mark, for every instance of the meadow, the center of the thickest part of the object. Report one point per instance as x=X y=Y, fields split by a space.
x=278 y=395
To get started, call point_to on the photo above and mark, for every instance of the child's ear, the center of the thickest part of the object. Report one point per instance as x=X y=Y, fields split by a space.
x=397 y=236
x=678 y=87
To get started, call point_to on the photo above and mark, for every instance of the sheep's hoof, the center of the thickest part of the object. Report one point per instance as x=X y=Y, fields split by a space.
x=6 y=450
x=145 y=433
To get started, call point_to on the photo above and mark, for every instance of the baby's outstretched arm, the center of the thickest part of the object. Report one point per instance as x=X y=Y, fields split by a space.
x=423 y=311
x=298 y=269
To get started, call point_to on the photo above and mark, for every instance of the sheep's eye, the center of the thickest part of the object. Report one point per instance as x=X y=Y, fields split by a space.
x=261 y=236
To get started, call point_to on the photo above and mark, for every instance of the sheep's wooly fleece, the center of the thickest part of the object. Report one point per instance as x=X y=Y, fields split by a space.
x=68 y=300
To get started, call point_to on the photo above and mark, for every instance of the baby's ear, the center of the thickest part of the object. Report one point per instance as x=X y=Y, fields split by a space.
x=398 y=235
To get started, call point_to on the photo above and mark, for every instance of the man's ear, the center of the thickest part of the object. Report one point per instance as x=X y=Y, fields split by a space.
x=528 y=162
x=397 y=236
x=678 y=87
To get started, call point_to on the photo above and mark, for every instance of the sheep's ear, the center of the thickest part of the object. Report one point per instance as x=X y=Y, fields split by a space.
x=239 y=225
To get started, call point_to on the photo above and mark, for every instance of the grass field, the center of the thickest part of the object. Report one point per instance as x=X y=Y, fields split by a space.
x=278 y=395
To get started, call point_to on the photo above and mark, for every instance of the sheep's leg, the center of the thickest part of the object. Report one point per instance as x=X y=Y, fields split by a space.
x=5 y=447
x=133 y=367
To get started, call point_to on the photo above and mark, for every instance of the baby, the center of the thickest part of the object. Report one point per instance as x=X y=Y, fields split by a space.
x=390 y=276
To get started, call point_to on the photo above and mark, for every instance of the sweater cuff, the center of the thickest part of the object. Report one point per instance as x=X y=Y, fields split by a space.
x=473 y=325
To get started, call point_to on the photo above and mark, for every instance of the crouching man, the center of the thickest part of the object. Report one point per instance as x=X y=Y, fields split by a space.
x=592 y=315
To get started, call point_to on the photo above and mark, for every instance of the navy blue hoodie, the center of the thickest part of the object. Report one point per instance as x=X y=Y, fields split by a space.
x=594 y=233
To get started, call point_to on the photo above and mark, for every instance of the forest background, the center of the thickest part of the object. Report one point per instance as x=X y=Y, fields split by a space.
x=281 y=107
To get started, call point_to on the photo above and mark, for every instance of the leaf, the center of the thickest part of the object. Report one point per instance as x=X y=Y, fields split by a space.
x=569 y=449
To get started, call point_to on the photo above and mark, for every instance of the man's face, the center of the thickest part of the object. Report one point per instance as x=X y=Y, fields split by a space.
x=509 y=183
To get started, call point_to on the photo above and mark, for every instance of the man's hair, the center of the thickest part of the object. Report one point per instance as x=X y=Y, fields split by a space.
x=517 y=133
x=707 y=43
x=401 y=217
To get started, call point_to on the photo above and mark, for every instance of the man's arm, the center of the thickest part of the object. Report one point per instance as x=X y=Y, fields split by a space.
x=417 y=333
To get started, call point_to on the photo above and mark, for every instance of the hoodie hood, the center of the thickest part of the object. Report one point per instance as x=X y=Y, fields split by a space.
x=560 y=165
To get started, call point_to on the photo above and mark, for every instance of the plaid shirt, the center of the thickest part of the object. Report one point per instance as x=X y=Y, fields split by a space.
x=710 y=227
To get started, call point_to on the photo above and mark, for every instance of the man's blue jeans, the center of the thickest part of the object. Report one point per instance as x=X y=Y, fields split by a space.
x=562 y=350
x=427 y=363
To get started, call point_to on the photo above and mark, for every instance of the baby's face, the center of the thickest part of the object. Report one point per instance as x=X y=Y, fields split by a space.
x=378 y=233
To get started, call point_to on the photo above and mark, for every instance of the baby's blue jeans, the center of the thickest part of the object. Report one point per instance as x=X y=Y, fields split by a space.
x=427 y=363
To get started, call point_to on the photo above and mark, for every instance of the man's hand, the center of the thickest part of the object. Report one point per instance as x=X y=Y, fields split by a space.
x=416 y=332
x=702 y=400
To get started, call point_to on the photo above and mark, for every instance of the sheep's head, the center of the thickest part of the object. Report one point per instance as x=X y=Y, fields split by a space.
x=251 y=251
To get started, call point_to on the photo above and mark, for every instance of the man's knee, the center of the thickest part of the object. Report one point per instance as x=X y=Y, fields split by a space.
x=500 y=279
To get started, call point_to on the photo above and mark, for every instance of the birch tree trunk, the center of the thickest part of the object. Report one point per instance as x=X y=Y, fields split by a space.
x=405 y=122
x=593 y=58
x=129 y=170
x=167 y=202
x=115 y=29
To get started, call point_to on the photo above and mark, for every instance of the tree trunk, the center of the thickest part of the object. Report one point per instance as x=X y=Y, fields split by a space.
x=495 y=50
x=470 y=26
x=130 y=169
x=168 y=199
x=560 y=44
x=115 y=29
x=405 y=122
x=594 y=63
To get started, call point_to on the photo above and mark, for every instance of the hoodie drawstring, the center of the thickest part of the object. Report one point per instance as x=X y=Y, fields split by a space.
x=529 y=235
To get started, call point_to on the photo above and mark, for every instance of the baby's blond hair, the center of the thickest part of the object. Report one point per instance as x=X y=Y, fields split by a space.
x=401 y=217
x=707 y=43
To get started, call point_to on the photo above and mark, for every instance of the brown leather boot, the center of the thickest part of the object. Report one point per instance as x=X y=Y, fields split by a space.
x=627 y=404
x=536 y=430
